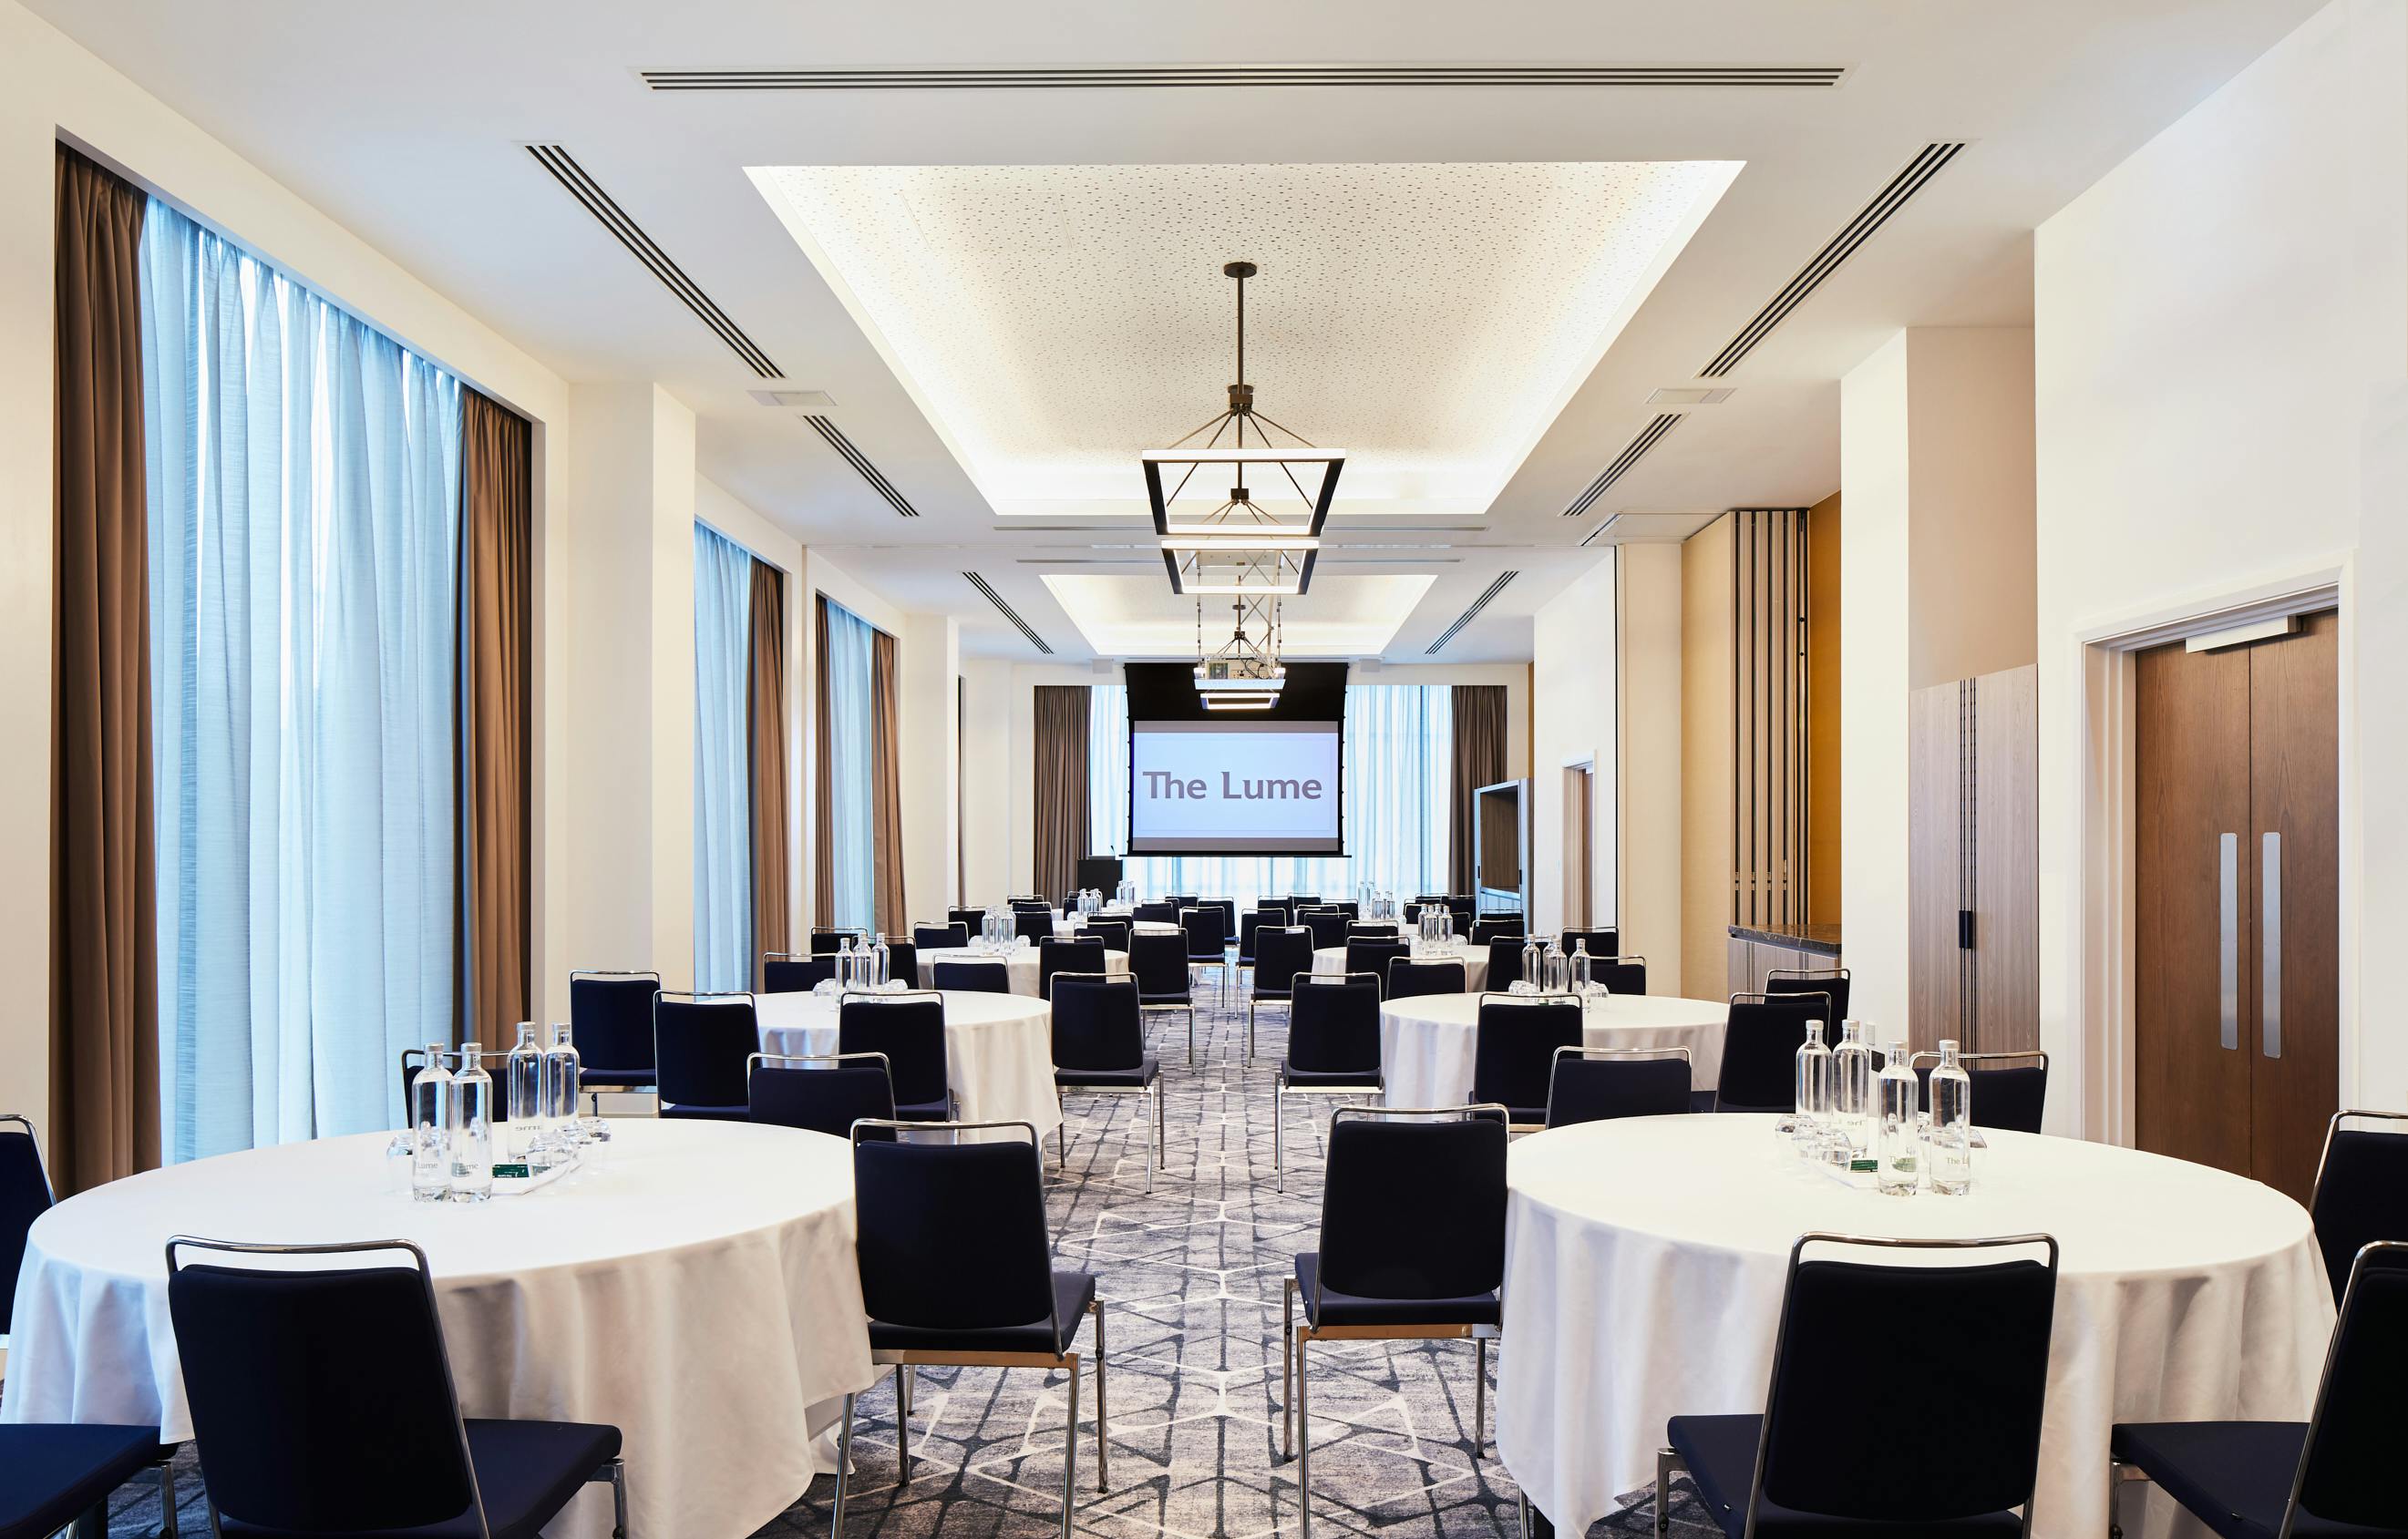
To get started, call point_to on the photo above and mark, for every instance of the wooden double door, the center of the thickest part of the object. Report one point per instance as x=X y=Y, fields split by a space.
x=2236 y=902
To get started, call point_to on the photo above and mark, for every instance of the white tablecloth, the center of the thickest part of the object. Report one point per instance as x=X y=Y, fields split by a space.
x=697 y=1290
x=1020 y=959
x=1646 y=1261
x=1425 y=1042
x=999 y=1050
x=1330 y=961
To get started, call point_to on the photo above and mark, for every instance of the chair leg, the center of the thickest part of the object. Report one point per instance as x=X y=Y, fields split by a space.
x=1161 y=1133
x=1103 y=1421
x=1288 y=1370
x=1190 y=1036
x=1250 y=1029
x=844 y=1468
x=1480 y=1400
x=903 y=1418
x=1303 y=1442
x=1154 y=1155
x=1667 y=1461
x=2114 y=1484
x=1071 y=1448
x=93 y=1524
x=167 y=1498
x=618 y=1497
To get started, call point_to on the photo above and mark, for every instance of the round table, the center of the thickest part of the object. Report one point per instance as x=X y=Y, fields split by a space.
x=1019 y=962
x=1646 y=1259
x=1330 y=962
x=1425 y=1041
x=715 y=1257
x=999 y=1050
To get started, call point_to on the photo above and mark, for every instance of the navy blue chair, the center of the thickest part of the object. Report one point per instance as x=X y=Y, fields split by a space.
x=1408 y=978
x=941 y=937
x=828 y=941
x=1182 y=900
x=1371 y=930
x=1495 y=927
x=1513 y=1052
x=1600 y=943
x=54 y=1475
x=1619 y=975
x=1032 y=924
x=1159 y=965
x=1114 y=934
x=1333 y=1047
x=909 y=1030
x=1411 y=1248
x=2010 y=1092
x=1279 y=957
x=1302 y=900
x=970 y=919
x=1327 y=924
x=1505 y=960
x=958 y=1270
x=966 y=976
x=2336 y=1473
x=1249 y=926
x=820 y=1092
x=784 y=972
x=1959 y=1449
x=25 y=1195
x=1208 y=940
x=1099 y=1049
x=1831 y=982
x=2360 y=1194
x=701 y=1044
x=1155 y=912
x=1084 y=955
x=1372 y=956
x=1275 y=911
x=612 y=1014
x=323 y=1400
x=1760 y=1043
x=1598 y=1084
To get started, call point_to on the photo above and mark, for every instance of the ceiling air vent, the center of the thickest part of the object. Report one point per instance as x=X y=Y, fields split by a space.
x=1869 y=220
x=585 y=190
x=860 y=462
x=1472 y=613
x=1648 y=437
x=1009 y=612
x=1784 y=76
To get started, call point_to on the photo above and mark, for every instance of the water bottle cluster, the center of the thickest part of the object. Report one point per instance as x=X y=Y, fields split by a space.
x=1857 y=1118
x=451 y=1134
x=1547 y=968
x=861 y=969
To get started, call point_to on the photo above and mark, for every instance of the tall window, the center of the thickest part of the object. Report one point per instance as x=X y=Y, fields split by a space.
x=304 y=541
x=852 y=796
x=723 y=835
x=1399 y=751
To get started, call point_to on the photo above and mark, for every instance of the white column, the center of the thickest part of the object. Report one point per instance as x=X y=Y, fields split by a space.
x=1647 y=603
x=1574 y=644
x=930 y=649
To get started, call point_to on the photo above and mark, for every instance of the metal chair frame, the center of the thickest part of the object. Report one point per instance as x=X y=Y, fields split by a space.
x=1295 y=1401
x=1668 y=1462
x=615 y=1472
x=1152 y=1090
x=907 y=996
x=1226 y=970
x=2315 y=1189
x=1250 y=1002
x=903 y=1363
x=1282 y=1091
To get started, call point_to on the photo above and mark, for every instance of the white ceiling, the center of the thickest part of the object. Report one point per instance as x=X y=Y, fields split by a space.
x=1133 y=616
x=409 y=126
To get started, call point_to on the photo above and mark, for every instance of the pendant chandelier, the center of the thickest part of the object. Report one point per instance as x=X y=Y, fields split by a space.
x=1236 y=545
x=1244 y=673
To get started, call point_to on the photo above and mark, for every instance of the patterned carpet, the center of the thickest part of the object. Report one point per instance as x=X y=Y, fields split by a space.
x=1191 y=1279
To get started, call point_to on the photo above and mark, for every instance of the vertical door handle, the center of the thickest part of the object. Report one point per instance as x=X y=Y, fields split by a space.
x=2227 y=958
x=2270 y=941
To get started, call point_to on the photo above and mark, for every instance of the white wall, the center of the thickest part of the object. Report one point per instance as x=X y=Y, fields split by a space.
x=1575 y=650
x=2222 y=390
x=1649 y=777
x=1874 y=649
x=988 y=697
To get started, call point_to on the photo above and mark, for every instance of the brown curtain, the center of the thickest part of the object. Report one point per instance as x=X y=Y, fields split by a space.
x=104 y=1104
x=496 y=576
x=1061 y=813
x=886 y=783
x=1479 y=761
x=765 y=724
x=824 y=776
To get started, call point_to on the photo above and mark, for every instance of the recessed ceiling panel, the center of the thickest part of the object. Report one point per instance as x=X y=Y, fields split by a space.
x=1432 y=319
x=1139 y=615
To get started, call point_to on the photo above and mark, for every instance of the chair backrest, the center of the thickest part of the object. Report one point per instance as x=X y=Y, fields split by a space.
x=1032 y=924
x=1207 y=932
x=1414 y=1207
x=1334 y=1024
x=1598 y=1084
x=1371 y=930
x=612 y=1014
x=1275 y=910
x=1620 y=975
x=1302 y=900
x=1030 y=903
x=326 y=1395
x=1759 y=1069
x=1408 y=978
x=1280 y=955
x=1960 y=1432
x=1600 y=943
x=1182 y=900
x=2010 y=1092
x=1159 y=962
x=1505 y=960
x=969 y=918
x=1228 y=907
x=903 y=962
x=701 y=1042
x=1513 y=1049
x=820 y=1092
x=1831 y=981
x=2349 y=1470
x=939 y=937
x=1155 y=913
x=1114 y=934
x=954 y=1236
x=1373 y=956
x=966 y=976
x=783 y=973
x=1084 y=955
x=1096 y=1025
x=1494 y=927
x=24 y=1196
x=1250 y=924
x=909 y=1029
x=2361 y=1190
x=829 y=941
x=1328 y=925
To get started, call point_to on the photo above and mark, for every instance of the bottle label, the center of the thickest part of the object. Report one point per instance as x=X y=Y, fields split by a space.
x=1864 y=1165
x=512 y=1172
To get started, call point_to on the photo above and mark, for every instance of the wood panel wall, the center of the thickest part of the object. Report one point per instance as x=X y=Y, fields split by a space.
x=1769 y=710
x=1822 y=721
x=1973 y=847
x=1705 y=755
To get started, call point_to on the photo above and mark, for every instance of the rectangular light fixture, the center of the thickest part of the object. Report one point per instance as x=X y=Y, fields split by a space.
x=1227 y=701
x=1243 y=589
x=1224 y=537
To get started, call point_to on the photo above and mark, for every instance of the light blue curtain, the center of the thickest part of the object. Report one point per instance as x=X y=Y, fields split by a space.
x=1399 y=751
x=304 y=514
x=723 y=763
x=852 y=812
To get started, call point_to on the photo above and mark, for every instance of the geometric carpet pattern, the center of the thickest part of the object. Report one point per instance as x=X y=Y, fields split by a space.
x=1191 y=1276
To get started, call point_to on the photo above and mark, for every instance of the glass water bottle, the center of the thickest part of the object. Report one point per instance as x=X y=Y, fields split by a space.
x=523 y=1093
x=1952 y=1125
x=1814 y=1109
x=1851 y=1091
x=430 y=1120
x=1559 y=970
x=1534 y=964
x=1900 y=1146
x=1584 y=971
x=879 y=958
x=471 y=1127
x=564 y=1074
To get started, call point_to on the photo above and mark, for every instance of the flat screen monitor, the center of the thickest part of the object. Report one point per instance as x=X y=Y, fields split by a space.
x=1216 y=786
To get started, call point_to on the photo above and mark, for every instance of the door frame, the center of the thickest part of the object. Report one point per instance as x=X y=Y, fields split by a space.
x=2103 y=927
x=1583 y=817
